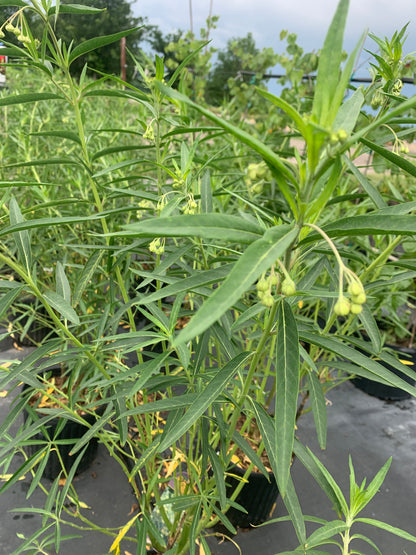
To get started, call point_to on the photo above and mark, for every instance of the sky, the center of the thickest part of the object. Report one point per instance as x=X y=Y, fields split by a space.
x=309 y=19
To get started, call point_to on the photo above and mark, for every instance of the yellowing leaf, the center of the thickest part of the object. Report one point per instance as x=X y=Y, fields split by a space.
x=116 y=543
x=407 y=362
x=3 y=393
x=5 y=477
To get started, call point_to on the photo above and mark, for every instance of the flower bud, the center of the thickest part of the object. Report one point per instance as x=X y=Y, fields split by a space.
x=356 y=308
x=397 y=87
x=288 y=287
x=355 y=288
x=359 y=299
x=262 y=285
x=267 y=300
x=342 y=307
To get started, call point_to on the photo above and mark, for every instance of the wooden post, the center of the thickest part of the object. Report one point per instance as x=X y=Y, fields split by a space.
x=123 y=57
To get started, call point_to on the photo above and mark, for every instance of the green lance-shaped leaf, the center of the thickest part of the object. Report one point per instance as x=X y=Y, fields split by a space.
x=17 y=3
x=225 y=227
x=388 y=528
x=325 y=532
x=368 y=224
x=328 y=68
x=291 y=501
x=75 y=8
x=397 y=160
x=256 y=259
x=318 y=407
x=287 y=390
x=98 y=42
x=203 y=400
x=61 y=306
x=21 y=238
x=30 y=97
x=206 y=193
x=62 y=284
x=86 y=275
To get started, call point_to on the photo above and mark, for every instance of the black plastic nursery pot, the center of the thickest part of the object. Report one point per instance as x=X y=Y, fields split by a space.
x=72 y=431
x=386 y=392
x=258 y=497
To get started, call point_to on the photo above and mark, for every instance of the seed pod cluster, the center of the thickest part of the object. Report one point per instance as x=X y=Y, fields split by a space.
x=353 y=305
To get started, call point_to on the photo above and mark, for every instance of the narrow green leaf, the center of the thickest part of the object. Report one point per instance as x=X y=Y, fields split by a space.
x=250 y=453
x=94 y=429
x=397 y=160
x=325 y=532
x=369 y=224
x=197 y=280
x=206 y=193
x=322 y=477
x=204 y=399
x=287 y=390
x=30 y=97
x=368 y=187
x=61 y=306
x=60 y=134
x=21 y=238
x=86 y=275
x=266 y=426
x=388 y=528
x=63 y=288
x=256 y=259
x=288 y=108
x=348 y=112
x=75 y=8
x=370 y=325
x=373 y=488
x=185 y=63
x=98 y=42
x=375 y=370
x=318 y=405
x=328 y=67
x=8 y=298
x=6 y=184
x=46 y=222
x=224 y=227
x=219 y=477
x=17 y=3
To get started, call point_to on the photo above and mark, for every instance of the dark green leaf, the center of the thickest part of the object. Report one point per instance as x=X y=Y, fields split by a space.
x=98 y=42
x=287 y=391
x=75 y=8
x=223 y=227
x=30 y=97
x=256 y=259
x=204 y=399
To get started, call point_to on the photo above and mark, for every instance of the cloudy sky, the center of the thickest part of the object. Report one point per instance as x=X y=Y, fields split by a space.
x=309 y=19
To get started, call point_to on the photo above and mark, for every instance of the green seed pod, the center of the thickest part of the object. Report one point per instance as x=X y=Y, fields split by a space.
x=267 y=300
x=356 y=308
x=262 y=285
x=359 y=299
x=288 y=287
x=342 y=307
x=274 y=280
x=355 y=288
